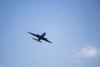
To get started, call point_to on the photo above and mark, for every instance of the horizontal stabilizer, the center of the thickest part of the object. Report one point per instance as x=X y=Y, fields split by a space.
x=37 y=40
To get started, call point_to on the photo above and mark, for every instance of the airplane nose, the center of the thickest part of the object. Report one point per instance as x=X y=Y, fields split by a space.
x=44 y=32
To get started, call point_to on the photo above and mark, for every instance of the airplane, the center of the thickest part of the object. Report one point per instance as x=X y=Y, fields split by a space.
x=40 y=37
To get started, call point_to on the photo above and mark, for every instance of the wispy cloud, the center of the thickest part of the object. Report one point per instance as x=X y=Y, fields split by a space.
x=87 y=52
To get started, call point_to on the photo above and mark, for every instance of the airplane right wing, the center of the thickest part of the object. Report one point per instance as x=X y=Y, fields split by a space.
x=32 y=34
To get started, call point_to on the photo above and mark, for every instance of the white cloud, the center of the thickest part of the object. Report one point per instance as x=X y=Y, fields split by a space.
x=87 y=52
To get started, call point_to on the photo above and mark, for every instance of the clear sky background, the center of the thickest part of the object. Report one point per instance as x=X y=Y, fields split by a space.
x=72 y=25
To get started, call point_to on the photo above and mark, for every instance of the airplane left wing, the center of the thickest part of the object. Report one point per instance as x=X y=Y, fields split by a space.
x=47 y=40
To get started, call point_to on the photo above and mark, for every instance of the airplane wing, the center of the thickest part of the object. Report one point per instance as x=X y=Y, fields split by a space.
x=33 y=34
x=47 y=40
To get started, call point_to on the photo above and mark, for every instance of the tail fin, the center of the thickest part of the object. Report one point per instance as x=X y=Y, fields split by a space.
x=37 y=40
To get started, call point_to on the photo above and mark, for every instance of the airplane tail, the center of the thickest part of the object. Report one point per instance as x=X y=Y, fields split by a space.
x=37 y=40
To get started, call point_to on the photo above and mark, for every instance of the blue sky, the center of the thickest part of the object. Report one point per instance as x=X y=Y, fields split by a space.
x=72 y=25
